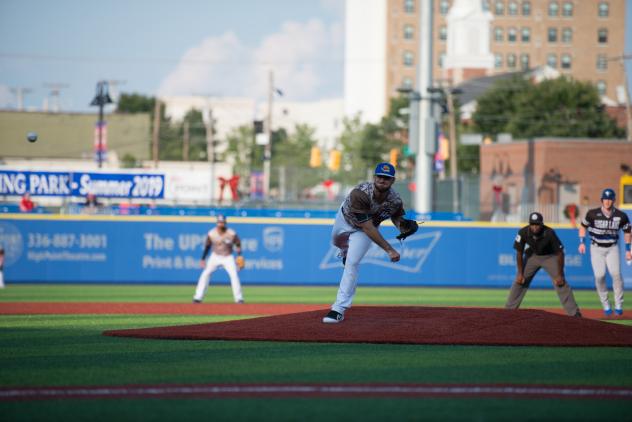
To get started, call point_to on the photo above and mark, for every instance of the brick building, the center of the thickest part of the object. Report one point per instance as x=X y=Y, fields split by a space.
x=548 y=174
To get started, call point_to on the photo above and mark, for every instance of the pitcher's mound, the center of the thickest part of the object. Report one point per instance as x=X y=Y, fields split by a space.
x=407 y=325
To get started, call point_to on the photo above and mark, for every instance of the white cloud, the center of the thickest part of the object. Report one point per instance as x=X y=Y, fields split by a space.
x=305 y=58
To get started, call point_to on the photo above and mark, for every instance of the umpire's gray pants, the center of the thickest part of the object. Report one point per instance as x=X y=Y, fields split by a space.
x=607 y=258
x=533 y=264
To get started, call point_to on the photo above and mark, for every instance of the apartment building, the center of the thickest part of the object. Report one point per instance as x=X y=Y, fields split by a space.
x=581 y=38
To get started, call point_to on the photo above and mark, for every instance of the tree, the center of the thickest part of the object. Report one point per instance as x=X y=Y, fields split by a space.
x=560 y=107
x=496 y=107
x=135 y=103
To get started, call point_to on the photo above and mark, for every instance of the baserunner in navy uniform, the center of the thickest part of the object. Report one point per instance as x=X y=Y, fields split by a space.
x=537 y=246
x=603 y=225
x=357 y=228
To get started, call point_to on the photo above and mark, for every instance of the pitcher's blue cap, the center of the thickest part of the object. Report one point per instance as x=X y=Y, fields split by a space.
x=385 y=169
x=221 y=218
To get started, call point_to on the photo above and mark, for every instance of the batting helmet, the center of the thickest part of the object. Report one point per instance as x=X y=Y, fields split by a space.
x=608 y=194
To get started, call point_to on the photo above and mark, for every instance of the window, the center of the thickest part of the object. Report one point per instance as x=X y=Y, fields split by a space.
x=601 y=87
x=408 y=59
x=442 y=60
x=409 y=6
x=552 y=34
x=409 y=32
x=567 y=9
x=407 y=83
x=551 y=60
x=511 y=35
x=526 y=8
x=498 y=34
x=443 y=33
x=602 y=36
x=444 y=6
x=604 y=9
x=526 y=34
x=566 y=61
x=512 y=9
x=554 y=8
x=567 y=35
x=498 y=61
x=511 y=60
x=602 y=62
x=499 y=7
x=524 y=61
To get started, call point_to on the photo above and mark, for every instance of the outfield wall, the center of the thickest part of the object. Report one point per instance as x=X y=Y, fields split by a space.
x=114 y=249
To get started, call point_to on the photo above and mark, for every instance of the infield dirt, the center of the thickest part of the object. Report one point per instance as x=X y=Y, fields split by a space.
x=407 y=325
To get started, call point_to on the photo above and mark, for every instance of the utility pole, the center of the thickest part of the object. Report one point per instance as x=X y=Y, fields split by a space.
x=185 y=141
x=55 y=93
x=267 y=153
x=155 y=138
x=19 y=95
x=621 y=59
x=210 y=150
x=627 y=96
x=101 y=99
x=453 y=153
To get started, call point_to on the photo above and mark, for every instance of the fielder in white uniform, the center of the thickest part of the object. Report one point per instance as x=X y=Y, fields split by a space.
x=221 y=240
x=356 y=229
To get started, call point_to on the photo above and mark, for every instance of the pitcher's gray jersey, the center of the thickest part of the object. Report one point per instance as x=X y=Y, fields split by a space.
x=359 y=206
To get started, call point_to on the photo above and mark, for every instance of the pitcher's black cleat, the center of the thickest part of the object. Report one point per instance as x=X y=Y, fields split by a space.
x=333 y=317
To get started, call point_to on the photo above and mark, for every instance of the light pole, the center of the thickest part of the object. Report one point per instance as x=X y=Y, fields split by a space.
x=426 y=124
x=267 y=152
x=101 y=98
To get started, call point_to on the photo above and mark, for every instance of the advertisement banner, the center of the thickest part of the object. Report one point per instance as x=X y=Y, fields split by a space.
x=277 y=251
x=106 y=185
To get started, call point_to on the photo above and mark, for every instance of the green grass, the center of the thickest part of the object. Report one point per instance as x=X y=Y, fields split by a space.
x=429 y=296
x=68 y=350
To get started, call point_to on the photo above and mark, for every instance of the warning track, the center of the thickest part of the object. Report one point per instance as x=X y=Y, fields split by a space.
x=314 y=390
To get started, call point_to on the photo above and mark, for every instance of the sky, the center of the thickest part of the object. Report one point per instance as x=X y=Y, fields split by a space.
x=158 y=47
x=222 y=48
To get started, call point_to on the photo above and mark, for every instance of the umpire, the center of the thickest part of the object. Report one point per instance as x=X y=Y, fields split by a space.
x=537 y=246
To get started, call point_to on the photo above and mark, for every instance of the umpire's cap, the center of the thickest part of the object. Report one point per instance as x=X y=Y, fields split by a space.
x=385 y=169
x=536 y=218
x=608 y=194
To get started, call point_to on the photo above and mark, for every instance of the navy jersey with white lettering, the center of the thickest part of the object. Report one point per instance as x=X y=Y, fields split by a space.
x=545 y=242
x=604 y=230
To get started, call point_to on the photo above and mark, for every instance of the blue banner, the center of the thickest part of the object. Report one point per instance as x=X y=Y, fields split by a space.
x=277 y=251
x=106 y=185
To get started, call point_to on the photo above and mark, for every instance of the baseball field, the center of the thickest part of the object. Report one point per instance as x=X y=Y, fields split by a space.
x=57 y=364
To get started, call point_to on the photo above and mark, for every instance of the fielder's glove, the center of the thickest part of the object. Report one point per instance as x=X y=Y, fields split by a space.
x=407 y=228
x=240 y=261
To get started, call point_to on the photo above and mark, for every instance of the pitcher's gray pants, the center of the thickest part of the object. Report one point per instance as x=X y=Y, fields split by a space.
x=533 y=264
x=607 y=258
x=353 y=244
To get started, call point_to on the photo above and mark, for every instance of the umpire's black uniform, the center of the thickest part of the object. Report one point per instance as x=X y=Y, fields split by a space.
x=537 y=246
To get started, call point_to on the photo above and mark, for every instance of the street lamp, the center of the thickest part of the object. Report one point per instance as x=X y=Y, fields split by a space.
x=101 y=98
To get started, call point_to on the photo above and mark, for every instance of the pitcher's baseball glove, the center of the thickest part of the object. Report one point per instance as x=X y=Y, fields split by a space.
x=407 y=228
x=240 y=261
